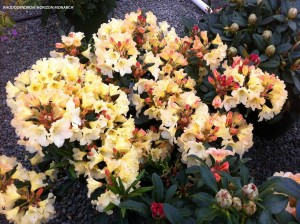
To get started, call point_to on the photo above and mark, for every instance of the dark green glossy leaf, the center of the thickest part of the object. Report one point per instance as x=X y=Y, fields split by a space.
x=138 y=207
x=280 y=18
x=158 y=191
x=206 y=214
x=205 y=197
x=275 y=203
x=289 y=187
x=270 y=64
x=283 y=48
x=259 y=42
x=170 y=193
x=284 y=217
x=109 y=207
x=172 y=214
x=296 y=79
x=208 y=178
x=265 y=218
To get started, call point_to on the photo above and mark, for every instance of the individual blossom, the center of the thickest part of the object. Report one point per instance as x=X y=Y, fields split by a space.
x=105 y=199
x=224 y=199
x=219 y=154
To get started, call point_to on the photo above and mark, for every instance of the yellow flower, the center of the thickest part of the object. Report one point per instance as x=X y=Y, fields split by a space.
x=59 y=131
x=7 y=164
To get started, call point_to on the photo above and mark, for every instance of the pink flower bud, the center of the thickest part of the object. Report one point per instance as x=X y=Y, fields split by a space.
x=224 y=198
x=250 y=191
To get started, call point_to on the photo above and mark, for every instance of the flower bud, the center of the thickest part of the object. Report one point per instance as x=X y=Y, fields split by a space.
x=270 y=50
x=234 y=28
x=250 y=191
x=292 y=13
x=237 y=204
x=232 y=51
x=224 y=198
x=249 y=208
x=267 y=34
x=252 y=19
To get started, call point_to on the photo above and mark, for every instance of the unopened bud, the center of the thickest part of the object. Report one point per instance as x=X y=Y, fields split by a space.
x=249 y=208
x=237 y=204
x=270 y=50
x=224 y=198
x=250 y=191
x=234 y=28
x=232 y=51
x=292 y=13
x=252 y=19
x=267 y=34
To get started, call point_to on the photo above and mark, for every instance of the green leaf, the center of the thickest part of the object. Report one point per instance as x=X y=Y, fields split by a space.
x=208 y=178
x=234 y=180
x=289 y=187
x=192 y=169
x=71 y=172
x=206 y=214
x=208 y=97
x=60 y=164
x=259 y=42
x=280 y=18
x=109 y=207
x=202 y=196
x=284 y=217
x=136 y=181
x=143 y=189
x=275 y=203
x=158 y=191
x=298 y=210
x=121 y=185
x=265 y=218
x=244 y=175
x=283 y=48
x=267 y=186
x=188 y=23
x=170 y=193
x=113 y=189
x=292 y=25
x=172 y=214
x=296 y=80
x=270 y=64
x=138 y=207
x=231 y=219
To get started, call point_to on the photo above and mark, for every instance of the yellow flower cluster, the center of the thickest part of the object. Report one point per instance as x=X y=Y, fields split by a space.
x=243 y=83
x=122 y=45
x=59 y=100
x=180 y=110
x=33 y=209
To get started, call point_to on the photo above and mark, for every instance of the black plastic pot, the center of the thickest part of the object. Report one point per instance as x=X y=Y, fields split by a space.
x=90 y=25
x=274 y=127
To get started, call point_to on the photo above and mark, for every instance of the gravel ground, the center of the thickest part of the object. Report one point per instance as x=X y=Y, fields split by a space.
x=34 y=42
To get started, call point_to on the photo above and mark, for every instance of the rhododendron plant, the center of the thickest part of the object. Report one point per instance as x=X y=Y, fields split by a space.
x=125 y=108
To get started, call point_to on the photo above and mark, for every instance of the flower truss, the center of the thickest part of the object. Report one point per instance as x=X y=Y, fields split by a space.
x=111 y=109
x=23 y=198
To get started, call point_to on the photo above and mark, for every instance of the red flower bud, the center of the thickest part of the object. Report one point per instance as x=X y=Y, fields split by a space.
x=157 y=210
